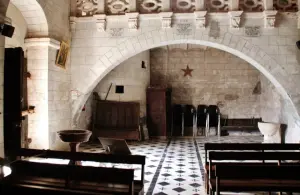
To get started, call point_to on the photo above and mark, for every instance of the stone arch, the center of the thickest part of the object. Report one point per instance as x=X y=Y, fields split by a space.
x=35 y=17
x=233 y=44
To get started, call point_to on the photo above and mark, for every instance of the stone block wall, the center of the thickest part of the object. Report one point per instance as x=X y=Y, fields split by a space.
x=59 y=100
x=218 y=78
x=132 y=76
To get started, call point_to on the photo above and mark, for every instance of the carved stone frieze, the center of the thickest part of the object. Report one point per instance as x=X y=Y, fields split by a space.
x=150 y=6
x=200 y=19
x=118 y=6
x=183 y=5
x=86 y=7
x=251 y=5
x=100 y=22
x=270 y=18
x=252 y=31
x=217 y=5
x=166 y=19
x=132 y=20
x=286 y=5
x=235 y=19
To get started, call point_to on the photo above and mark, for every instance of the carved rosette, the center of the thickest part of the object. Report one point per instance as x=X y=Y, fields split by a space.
x=100 y=22
x=200 y=19
x=118 y=6
x=166 y=19
x=150 y=6
x=86 y=7
x=132 y=20
x=270 y=18
x=235 y=19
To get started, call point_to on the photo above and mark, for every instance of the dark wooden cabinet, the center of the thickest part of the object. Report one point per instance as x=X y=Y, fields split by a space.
x=159 y=111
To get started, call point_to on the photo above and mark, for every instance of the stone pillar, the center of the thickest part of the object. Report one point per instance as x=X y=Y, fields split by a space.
x=38 y=89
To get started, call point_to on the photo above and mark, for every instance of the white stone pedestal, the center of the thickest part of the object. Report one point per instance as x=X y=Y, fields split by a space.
x=271 y=132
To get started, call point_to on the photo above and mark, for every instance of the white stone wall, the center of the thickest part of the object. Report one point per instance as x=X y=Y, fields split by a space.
x=17 y=40
x=59 y=102
x=272 y=50
x=132 y=76
x=218 y=78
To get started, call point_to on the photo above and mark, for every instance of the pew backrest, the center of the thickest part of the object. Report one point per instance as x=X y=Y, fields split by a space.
x=81 y=156
x=259 y=147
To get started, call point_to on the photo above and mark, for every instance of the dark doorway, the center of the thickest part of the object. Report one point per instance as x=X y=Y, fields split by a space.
x=13 y=76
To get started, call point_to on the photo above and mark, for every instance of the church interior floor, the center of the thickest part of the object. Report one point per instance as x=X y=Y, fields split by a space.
x=174 y=166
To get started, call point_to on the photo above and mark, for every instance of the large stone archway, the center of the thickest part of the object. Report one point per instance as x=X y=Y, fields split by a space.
x=95 y=55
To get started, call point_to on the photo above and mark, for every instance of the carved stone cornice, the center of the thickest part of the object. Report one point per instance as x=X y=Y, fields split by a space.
x=235 y=19
x=166 y=19
x=132 y=19
x=270 y=18
x=200 y=19
x=100 y=22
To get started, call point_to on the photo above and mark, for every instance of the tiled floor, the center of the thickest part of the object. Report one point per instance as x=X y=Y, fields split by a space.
x=174 y=166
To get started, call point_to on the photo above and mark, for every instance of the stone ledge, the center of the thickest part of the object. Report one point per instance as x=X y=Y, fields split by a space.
x=34 y=42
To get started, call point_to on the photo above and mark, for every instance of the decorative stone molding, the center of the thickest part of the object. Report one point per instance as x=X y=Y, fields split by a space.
x=132 y=20
x=118 y=6
x=235 y=19
x=200 y=17
x=100 y=22
x=150 y=6
x=270 y=18
x=166 y=19
x=72 y=23
x=86 y=7
x=40 y=42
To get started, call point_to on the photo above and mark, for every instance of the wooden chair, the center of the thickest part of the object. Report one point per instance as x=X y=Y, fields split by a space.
x=269 y=178
x=45 y=178
x=95 y=157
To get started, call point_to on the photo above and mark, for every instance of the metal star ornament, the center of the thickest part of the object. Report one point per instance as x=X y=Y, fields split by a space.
x=187 y=71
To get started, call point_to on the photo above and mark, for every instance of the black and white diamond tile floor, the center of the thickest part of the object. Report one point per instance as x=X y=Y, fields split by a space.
x=174 y=166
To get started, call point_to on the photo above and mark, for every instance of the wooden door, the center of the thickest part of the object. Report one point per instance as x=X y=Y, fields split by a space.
x=156 y=112
x=13 y=69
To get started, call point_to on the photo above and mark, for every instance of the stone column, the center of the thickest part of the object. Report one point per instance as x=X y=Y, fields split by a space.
x=38 y=89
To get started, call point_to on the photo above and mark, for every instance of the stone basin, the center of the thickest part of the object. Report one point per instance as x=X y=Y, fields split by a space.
x=271 y=131
x=74 y=136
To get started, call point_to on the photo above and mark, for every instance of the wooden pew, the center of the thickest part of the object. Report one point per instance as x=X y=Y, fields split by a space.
x=243 y=178
x=96 y=157
x=216 y=158
x=46 y=178
x=243 y=146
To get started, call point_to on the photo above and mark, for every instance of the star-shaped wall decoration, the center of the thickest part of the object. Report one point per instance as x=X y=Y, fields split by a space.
x=187 y=71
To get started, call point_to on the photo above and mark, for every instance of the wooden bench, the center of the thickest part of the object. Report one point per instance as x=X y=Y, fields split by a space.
x=278 y=157
x=242 y=146
x=243 y=178
x=95 y=157
x=41 y=178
